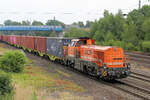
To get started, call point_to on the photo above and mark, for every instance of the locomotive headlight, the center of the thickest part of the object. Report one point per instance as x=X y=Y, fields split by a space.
x=105 y=73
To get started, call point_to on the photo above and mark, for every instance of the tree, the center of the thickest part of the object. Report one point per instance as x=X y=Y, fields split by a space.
x=55 y=23
x=145 y=10
x=110 y=23
x=88 y=24
x=118 y=25
x=146 y=29
x=74 y=23
x=109 y=37
x=75 y=32
x=25 y=23
x=106 y=13
x=99 y=36
x=81 y=24
x=93 y=29
x=103 y=26
x=129 y=35
x=137 y=18
x=9 y=22
x=146 y=46
x=37 y=23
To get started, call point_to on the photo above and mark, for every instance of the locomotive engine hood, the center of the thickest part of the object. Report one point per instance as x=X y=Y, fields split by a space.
x=106 y=55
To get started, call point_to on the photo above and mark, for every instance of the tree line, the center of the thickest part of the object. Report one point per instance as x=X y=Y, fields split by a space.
x=131 y=32
x=80 y=24
x=34 y=23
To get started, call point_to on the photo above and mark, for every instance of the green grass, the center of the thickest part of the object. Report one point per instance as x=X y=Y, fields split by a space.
x=35 y=82
x=7 y=97
x=3 y=50
x=35 y=79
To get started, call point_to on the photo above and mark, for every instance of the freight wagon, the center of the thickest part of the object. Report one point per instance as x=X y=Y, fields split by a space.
x=55 y=47
x=40 y=45
x=83 y=54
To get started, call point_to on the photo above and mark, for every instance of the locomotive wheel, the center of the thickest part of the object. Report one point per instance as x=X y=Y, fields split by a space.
x=85 y=70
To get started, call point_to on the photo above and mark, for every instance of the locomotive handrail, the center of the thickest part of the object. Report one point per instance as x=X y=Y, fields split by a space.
x=126 y=58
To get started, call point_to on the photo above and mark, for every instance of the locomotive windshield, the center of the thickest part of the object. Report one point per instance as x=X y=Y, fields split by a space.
x=79 y=43
x=73 y=43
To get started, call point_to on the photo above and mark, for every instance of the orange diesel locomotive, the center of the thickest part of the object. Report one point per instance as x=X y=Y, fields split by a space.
x=105 y=62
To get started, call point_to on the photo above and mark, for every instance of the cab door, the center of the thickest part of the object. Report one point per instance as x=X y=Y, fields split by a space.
x=71 y=49
x=77 y=49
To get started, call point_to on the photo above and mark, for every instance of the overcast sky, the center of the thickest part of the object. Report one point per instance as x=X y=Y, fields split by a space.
x=67 y=11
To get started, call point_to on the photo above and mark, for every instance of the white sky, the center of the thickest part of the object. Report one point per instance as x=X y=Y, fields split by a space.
x=67 y=11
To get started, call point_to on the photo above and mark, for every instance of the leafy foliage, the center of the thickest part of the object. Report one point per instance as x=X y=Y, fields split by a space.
x=9 y=22
x=13 y=61
x=80 y=24
x=5 y=84
x=146 y=29
x=75 y=32
x=37 y=23
x=25 y=23
x=146 y=46
x=54 y=23
x=131 y=32
x=128 y=33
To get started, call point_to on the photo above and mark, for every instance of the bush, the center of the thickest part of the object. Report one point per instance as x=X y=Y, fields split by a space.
x=75 y=32
x=130 y=46
x=115 y=43
x=146 y=46
x=5 y=85
x=119 y=44
x=13 y=61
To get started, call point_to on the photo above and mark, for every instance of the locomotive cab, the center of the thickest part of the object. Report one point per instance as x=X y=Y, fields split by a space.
x=74 y=47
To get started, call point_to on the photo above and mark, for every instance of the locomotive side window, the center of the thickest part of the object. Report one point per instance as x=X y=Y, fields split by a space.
x=83 y=42
x=73 y=43
x=78 y=43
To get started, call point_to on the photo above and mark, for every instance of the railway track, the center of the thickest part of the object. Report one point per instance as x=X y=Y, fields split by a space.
x=141 y=60
x=128 y=88
x=140 y=77
x=139 y=57
x=133 y=90
x=136 y=91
